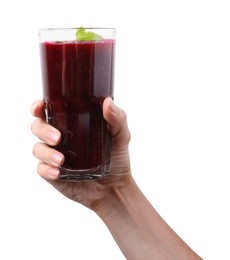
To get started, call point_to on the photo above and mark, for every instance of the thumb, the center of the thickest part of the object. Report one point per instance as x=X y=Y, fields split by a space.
x=117 y=121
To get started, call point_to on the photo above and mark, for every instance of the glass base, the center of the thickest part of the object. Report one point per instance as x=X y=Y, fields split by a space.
x=83 y=175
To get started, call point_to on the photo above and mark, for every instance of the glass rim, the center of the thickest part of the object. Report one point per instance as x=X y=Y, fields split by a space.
x=76 y=28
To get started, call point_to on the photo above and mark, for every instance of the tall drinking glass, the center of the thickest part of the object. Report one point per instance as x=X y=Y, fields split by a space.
x=77 y=67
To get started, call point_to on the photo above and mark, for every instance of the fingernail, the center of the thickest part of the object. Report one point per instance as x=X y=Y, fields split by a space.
x=53 y=173
x=56 y=159
x=53 y=136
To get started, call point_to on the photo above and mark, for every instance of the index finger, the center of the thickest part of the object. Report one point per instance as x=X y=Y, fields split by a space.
x=38 y=109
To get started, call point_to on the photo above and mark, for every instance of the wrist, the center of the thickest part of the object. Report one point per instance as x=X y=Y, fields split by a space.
x=138 y=229
x=125 y=211
x=115 y=198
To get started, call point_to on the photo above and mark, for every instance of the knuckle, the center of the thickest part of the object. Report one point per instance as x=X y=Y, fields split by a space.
x=38 y=150
x=33 y=125
x=39 y=168
x=34 y=150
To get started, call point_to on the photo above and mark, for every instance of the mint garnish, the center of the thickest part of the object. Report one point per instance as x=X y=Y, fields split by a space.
x=82 y=35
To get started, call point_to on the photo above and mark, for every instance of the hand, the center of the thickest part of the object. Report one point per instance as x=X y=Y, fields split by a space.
x=88 y=193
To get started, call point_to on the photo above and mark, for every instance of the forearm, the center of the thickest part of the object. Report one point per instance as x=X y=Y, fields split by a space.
x=138 y=229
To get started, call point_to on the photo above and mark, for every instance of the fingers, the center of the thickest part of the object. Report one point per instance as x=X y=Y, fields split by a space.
x=117 y=120
x=38 y=109
x=49 y=158
x=48 y=155
x=48 y=172
x=40 y=128
x=49 y=161
x=45 y=132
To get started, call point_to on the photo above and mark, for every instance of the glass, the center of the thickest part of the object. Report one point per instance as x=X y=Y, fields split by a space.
x=77 y=75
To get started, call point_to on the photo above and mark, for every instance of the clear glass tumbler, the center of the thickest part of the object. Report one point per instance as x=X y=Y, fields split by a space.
x=77 y=67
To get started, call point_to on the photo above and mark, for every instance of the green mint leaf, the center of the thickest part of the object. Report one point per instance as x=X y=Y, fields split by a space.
x=82 y=35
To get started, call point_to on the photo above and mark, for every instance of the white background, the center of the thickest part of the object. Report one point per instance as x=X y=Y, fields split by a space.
x=172 y=79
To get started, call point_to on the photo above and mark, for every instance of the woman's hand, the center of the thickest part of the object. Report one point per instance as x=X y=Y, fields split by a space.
x=88 y=193
x=138 y=229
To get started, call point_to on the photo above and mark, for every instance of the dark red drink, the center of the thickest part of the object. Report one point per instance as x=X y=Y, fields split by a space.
x=77 y=77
